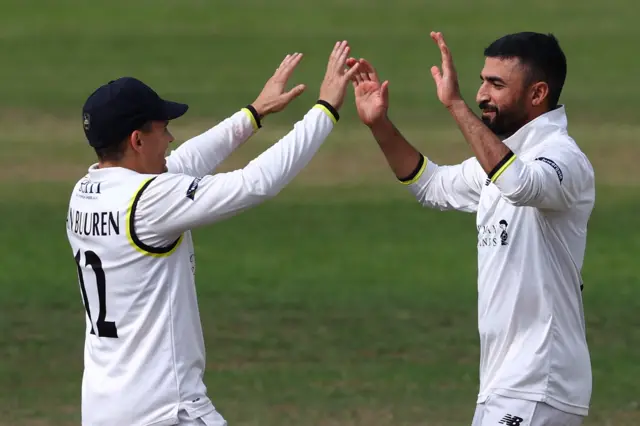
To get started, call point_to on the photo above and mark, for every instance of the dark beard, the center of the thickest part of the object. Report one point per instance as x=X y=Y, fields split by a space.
x=504 y=124
x=497 y=130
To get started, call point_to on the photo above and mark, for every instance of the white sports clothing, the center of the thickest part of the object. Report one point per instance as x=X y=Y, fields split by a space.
x=130 y=235
x=499 y=410
x=532 y=213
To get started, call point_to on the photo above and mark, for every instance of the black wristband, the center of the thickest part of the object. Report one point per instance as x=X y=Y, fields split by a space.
x=329 y=107
x=255 y=114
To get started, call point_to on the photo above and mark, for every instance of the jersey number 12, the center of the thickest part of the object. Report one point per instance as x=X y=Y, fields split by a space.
x=105 y=328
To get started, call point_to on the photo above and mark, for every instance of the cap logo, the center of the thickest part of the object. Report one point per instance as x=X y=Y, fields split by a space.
x=86 y=121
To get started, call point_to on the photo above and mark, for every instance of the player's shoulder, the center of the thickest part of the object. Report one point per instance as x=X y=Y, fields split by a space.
x=169 y=185
x=168 y=179
x=565 y=156
x=564 y=148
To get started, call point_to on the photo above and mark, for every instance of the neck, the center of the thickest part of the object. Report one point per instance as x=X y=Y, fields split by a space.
x=124 y=163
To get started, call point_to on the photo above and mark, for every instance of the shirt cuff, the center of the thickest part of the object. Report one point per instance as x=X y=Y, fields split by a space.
x=328 y=109
x=251 y=112
x=417 y=172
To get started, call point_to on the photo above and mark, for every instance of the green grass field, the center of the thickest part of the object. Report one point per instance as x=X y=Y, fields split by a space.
x=342 y=301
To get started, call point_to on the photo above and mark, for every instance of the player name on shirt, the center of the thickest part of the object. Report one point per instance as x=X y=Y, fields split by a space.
x=95 y=224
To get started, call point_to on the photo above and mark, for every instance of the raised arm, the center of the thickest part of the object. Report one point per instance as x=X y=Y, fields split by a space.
x=554 y=180
x=171 y=204
x=455 y=187
x=202 y=154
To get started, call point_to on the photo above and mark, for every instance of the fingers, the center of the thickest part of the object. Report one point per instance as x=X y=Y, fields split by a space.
x=287 y=66
x=354 y=78
x=352 y=71
x=338 y=56
x=295 y=92
x=384 y=90
x=284 y=61
x=436 y=74
x=368 y=69
x=342 y=58
x=334 y=51
x=447 y=60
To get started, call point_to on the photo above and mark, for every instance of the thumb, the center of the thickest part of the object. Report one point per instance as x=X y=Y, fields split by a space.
x=295 y=92
x=437 y=75
x=384 y=90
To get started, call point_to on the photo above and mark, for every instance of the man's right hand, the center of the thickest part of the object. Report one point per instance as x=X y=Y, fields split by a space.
x=372 y=98
x=337 y=77
x=273 y=97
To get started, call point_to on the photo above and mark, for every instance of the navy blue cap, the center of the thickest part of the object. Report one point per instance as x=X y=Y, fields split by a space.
x=121 y=106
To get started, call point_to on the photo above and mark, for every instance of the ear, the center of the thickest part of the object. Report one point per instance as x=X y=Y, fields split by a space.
x=539 y=93
x=135 y=140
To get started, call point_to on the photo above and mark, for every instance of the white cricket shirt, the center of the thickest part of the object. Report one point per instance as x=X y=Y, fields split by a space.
x=130 y=235
x=532 y=214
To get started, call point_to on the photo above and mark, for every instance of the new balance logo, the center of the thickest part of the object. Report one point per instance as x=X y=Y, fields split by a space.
x=510 y=420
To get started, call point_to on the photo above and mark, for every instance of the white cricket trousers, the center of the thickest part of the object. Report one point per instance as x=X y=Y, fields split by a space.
x=211 y=419
x=502 y=411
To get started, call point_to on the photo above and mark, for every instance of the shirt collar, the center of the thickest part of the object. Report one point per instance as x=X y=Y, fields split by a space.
x=97 y=173
x=534 y=131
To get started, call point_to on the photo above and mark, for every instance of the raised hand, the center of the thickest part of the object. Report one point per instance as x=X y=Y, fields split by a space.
x=273 y=97
x=372 y=98
x=336 y=79
x=446 y=79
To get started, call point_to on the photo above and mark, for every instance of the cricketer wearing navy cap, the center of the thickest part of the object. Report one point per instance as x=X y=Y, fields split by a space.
x=129 y=228
x=121 y=107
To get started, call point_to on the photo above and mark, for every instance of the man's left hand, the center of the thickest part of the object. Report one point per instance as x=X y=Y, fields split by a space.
x=446 y=79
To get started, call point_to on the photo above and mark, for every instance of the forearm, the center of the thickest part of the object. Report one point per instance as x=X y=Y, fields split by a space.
x=272 y=170
x=402 y=157
x=489 y=150
x=178 y=203
x=202 y=154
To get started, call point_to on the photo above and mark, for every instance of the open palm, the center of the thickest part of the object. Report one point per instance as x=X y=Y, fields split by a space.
x=372 y=97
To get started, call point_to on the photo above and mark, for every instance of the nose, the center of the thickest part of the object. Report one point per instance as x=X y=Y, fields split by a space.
x=482 y=95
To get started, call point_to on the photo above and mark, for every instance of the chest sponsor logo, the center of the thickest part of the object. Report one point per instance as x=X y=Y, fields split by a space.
x=494 y=235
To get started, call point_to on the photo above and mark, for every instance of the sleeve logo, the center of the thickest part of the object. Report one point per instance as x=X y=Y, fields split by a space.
x=191 y=191
x=554 y=165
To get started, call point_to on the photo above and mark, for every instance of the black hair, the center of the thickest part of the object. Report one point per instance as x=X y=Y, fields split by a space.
x=541 y=53
x=115 y=151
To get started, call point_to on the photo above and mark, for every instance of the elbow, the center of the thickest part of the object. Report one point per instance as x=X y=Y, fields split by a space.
x=519 y=190
x=420 y=194
x=427 y=200
x=261 y=187
x=521 y=197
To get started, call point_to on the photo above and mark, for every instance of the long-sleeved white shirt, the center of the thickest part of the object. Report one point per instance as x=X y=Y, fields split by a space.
x=532 y=214
x=130 y=234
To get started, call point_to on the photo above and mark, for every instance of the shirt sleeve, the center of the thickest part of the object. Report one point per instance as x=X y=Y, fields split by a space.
x=455 y=187
x=171 y=204
x=201 y=155
x=554 y=180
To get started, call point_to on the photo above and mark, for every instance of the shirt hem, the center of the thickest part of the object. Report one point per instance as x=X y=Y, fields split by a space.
x=164 y=422
x=579 y=410
x=201 y=411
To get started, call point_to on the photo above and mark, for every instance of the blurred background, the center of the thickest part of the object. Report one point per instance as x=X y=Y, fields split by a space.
x=342 y=301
